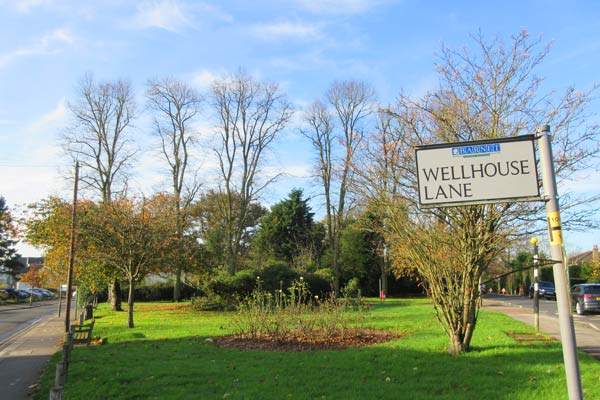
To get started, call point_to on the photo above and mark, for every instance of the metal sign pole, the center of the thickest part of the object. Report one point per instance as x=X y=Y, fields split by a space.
x=567 y=331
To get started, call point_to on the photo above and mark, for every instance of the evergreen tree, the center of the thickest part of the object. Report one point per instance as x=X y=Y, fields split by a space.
x=288 y=232
x=8 y=232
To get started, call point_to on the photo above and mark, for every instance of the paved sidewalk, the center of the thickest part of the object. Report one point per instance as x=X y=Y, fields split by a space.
x=587 y=335
x=22 y=361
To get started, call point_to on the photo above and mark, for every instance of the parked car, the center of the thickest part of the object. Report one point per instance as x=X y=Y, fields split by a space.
x=586 y=297
x=36 y=293
x=9 y=293
x=42 y=293
x=545 y=290
x=23 y=294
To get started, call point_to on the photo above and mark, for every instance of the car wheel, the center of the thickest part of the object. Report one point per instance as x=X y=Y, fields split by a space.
x=579 y=308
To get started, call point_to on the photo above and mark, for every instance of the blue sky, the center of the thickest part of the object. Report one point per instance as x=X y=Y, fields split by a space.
x=46 y=46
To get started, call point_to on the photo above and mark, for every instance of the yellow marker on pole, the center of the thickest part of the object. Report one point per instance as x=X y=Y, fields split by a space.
x=554 y=228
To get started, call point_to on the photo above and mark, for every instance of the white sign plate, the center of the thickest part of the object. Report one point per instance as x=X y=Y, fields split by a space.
x=487 y=171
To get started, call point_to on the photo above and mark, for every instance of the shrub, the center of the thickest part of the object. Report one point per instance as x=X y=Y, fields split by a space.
x=294 y=313
x=211 y=302
x=352 y=289
x=273 y=277
x=277 y=276
x=157 y=292
x=230 y=286
x=223 y=291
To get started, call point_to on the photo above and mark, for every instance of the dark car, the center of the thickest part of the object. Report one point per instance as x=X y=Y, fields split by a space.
x=9 y=293
x=586 y=297
x=545 y=290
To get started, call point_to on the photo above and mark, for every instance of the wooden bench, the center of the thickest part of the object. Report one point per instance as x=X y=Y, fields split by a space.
x=82 y=334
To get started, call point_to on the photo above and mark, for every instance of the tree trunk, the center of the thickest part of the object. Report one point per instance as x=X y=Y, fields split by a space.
x=457 y=345
x=130 y=304
x=460 y=338
x=384 y=282
x=115 y=295
x=177 y=285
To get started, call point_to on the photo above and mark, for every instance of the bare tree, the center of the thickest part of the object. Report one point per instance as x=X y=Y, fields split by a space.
x=175 y=105
x=486 y=94
x=99 y=137
x=99 y=140
x=320 y=132
x=351 y=104
x=251 y=115
x=378 y=173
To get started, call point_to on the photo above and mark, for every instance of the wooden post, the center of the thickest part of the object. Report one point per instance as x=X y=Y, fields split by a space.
x=59 y=378
x=65 y=360
x=56 y=393
x=72 y=249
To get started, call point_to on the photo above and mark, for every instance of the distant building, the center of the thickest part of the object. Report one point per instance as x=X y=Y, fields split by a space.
x=8 y=281
x=587 y=257
x=583 y=267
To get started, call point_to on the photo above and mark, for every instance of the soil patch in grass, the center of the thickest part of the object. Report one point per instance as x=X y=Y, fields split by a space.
x=163 y=307
x=297 y=341
x=529 y=337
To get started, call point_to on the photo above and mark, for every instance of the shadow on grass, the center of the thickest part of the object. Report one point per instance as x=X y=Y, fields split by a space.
x=192 y=367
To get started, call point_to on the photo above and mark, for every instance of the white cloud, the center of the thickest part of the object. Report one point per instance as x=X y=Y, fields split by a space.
x=286 y=30
x=30 y=170
x=27 y=184
x=169 y=15
x=25 y=6
x=204 y=79
x=339 y=7
x=584 y=182
x=47 y=44
x=214 y=12
x=51 y=119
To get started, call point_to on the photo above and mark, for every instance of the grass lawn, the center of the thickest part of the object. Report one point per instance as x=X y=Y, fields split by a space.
x=169 y=355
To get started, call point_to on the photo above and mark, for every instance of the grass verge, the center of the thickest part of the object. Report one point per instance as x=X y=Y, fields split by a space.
x=170 y=355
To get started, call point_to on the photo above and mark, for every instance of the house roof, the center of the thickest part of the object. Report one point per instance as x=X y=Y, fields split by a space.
x=585 y=257
x=27 y=261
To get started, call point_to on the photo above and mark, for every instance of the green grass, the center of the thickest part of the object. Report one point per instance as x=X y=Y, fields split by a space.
x=167 y=356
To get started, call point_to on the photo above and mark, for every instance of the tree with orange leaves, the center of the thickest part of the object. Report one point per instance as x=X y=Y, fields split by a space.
x=135 y=237
x=32 y=277
x=48 y=227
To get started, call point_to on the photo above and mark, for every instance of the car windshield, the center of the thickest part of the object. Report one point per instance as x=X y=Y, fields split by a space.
x=592 y=289
x=549 y=285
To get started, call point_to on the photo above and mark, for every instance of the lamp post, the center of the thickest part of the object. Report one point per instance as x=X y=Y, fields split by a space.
x=536 y=298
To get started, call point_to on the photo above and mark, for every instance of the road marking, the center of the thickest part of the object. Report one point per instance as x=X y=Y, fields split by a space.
x=19 y=337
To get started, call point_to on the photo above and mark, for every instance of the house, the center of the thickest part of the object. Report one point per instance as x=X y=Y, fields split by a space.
x=8 y=281
x=584 y=267
x=587 y=257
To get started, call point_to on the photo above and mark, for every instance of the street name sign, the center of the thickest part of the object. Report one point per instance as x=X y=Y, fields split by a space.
x=478 y=172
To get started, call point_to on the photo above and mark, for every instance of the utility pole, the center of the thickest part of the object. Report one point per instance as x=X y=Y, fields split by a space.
x=567 y=331
x=71 y=251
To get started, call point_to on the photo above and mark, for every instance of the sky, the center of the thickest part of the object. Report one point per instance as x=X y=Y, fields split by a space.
x=47 y=46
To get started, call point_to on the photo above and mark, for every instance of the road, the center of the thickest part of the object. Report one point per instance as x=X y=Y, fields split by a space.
x=17 y=317
x=587 y=327
x=29 y=336
x=547 y=307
